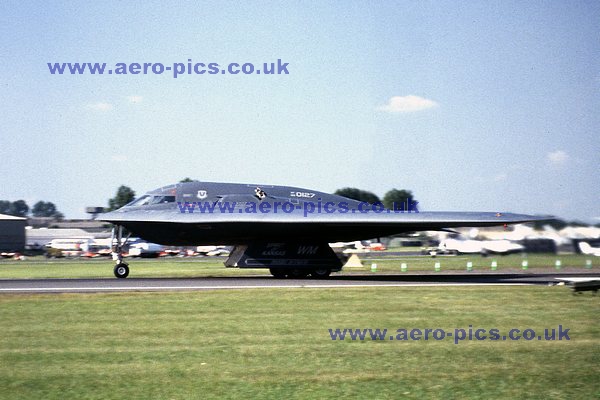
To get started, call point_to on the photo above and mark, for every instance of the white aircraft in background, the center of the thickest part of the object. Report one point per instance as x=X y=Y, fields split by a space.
x=461 y=246
x=502 y=246
x=586 y=248
x=357 y=246
x=69 y=245
x=212 y=250
x=479 y=246
x=145 y=249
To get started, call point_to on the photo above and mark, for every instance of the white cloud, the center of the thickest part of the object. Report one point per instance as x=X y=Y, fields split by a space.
x=135 y=99
x=100 y=106
x=558 y=157
x=407 y=104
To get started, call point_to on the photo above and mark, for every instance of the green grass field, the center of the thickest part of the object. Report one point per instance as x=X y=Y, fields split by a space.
x=39 y=267
x=274 y=343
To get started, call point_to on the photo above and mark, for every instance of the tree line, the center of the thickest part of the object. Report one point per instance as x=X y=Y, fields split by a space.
x=20 y=208
x=394 y=198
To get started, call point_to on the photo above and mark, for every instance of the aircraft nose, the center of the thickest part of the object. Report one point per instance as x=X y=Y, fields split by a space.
x=111 y=216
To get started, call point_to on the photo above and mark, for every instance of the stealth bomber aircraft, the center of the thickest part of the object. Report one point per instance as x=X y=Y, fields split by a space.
x=283 y=228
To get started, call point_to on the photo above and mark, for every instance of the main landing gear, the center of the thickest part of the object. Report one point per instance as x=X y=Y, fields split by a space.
x=300 y=273
x=295 y=260
x=121 y=268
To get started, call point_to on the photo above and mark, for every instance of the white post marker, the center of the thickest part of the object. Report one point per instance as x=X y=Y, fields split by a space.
x=470 y=266
x=588 y=264
x=494 y=265
x=524 y=264
x=557 y=264
x=373 y=267
x=437 y=267
x=403 y=267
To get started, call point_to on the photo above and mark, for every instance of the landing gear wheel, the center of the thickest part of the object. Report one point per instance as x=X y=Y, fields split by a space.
x=297 y=273
x=278 y=273
x=121 y=270
x=321 y=273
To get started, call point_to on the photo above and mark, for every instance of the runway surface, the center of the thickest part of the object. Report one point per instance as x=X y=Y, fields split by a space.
x=230 y=283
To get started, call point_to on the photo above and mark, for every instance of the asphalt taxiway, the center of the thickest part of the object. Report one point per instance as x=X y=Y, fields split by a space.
x=258 y=282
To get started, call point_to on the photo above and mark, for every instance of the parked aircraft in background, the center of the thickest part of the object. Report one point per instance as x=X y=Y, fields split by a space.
x=212 y=250
x=357 y=246
x=146 y=250
x=484 y=247
x=586 y=248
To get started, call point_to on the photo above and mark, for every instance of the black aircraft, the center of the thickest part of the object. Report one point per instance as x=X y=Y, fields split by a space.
x=283 y=228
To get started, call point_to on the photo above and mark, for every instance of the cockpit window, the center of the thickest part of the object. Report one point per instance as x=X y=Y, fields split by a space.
x=142 y=201
x=162 y=199
x=149 y=200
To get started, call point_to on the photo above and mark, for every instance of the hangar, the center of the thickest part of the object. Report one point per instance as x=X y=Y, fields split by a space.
x=12 y=233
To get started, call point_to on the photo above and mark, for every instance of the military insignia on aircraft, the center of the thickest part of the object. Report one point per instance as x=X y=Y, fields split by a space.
x=202 y=194
x=259 y=193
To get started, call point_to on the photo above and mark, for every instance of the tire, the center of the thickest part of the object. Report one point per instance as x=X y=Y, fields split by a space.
x=121 y=270
x=297 y=273
x=321 y=273
x=278 y=273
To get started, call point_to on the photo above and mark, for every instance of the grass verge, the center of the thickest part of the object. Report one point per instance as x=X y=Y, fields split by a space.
x=275 y=343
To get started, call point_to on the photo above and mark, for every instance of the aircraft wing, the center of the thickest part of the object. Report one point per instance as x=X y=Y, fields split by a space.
x=168 y=227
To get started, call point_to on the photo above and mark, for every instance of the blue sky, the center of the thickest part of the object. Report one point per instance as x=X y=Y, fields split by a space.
x=472 y=105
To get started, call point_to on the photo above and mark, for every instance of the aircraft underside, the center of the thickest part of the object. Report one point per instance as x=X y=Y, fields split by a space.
x=284 y=259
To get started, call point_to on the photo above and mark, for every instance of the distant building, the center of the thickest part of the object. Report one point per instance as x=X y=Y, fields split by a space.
x=85 y=224
x=12 y=233
x=38 y=238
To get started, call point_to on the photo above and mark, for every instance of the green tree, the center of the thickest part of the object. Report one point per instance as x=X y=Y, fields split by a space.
x=18 y=208
x=358 y=194
x=4 y=206
x=185 y=180
x=555 y=223
x=46 y=209
x=400 y=199
x=577 y=223
x=124 y=195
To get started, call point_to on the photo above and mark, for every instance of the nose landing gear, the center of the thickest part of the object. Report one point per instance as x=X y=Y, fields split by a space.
x=121 y=268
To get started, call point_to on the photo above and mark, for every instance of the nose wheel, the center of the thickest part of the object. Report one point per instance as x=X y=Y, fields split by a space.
x=121 y=270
